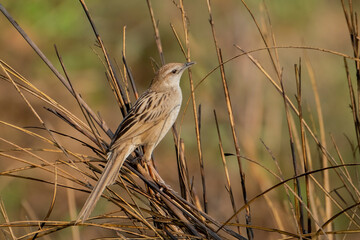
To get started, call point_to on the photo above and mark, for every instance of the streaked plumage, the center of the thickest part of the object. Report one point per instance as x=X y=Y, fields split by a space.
x=145 y=125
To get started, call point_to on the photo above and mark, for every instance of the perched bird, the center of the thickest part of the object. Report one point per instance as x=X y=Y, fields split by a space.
x=147 y=122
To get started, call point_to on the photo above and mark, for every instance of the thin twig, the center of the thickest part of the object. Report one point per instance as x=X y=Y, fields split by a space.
x=283 y=182
x=54 y=70
x=5 y=216
x=157 y=33
x=51 y=204
x=303 y=143
x=249 y=231
x=93 y=129
x=201 y=161
x=106 y=55
x=297 y=187
x=229 y=187
x=193 y=101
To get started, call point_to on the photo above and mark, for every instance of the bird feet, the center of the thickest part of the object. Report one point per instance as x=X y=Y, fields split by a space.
x=156 y=176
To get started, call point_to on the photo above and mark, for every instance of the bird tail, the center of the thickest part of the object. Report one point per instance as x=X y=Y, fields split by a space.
x=108 y=177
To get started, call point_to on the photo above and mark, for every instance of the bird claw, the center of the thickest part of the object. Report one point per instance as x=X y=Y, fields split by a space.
x=157 y=178
x=163 y=185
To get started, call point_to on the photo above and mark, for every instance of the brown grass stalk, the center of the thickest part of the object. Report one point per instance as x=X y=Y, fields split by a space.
x=250 y=233
x=68 y=160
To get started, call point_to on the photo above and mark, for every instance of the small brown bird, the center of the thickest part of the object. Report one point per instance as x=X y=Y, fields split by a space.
x=145 y=125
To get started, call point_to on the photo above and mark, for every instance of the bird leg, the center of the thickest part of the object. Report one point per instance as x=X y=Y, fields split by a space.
x=154 y=173
x=148 y=149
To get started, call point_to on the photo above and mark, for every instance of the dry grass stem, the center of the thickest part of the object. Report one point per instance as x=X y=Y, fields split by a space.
x=292 y=184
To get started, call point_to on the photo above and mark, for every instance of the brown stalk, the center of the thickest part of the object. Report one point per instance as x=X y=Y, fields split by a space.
x=283 y=182
x=106 y=55
x=352 y=24
x=337 y=204
x=125 y=76
x=303 y=140
x=298 y=206
x=30 y=88
x=178 y=39
x=54 y=70
x=276 y=66
x=136 y=205
x=250 y=233
x=135 y=216
x=72 y=123
x=324 y=159
x=318 y=142
x=189 y=210
x=279 y=76
x=6 y=218
x=346 y=173
x=326 y=179
x=229 y=188
x=330 y=221
x=114 y=85
x=10 y=174
x=353 y=102
x=120 y=93
x=130 y=211
x=196 y=115
x=179 y=214
x=201 y=162
x=289 y=235
x=93 y=128
x=291 y=105
x=274 y=47
x=157 y=33
x=341 y=174
x=51 y=204
x=276 y=63
x=130 y=77
x=71 y=201
x=183 y=172
x=151 y=184
x=286 y=186
x=54 y=141
x=33 y=165
x=36 y=136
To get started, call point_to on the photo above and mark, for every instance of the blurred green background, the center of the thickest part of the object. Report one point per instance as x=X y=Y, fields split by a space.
x=258 y=108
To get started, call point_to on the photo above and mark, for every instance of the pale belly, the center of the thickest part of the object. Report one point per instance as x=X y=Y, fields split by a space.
x=168 y=123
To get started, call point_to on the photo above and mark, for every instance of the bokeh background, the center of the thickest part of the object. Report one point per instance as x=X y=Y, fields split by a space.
x=258 y=107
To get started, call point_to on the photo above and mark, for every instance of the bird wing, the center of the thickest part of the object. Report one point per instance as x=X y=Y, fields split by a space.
x=148 y=111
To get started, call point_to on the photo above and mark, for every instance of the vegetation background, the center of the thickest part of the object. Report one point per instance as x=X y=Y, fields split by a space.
x=259 y=113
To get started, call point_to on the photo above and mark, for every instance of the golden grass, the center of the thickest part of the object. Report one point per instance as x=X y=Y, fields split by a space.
x=322 y=187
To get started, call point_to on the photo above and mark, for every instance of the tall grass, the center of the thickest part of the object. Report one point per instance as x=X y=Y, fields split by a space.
x=302 y=187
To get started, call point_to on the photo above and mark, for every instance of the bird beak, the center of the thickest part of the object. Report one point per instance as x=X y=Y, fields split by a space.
x=187 y=65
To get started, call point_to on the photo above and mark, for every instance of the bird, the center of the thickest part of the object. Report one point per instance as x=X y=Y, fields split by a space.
x=145 y=124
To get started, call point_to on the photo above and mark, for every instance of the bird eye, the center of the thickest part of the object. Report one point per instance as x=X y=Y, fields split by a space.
x=173 y=71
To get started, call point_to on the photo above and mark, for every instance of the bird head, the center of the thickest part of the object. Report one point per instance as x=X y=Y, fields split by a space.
x=169 y=75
